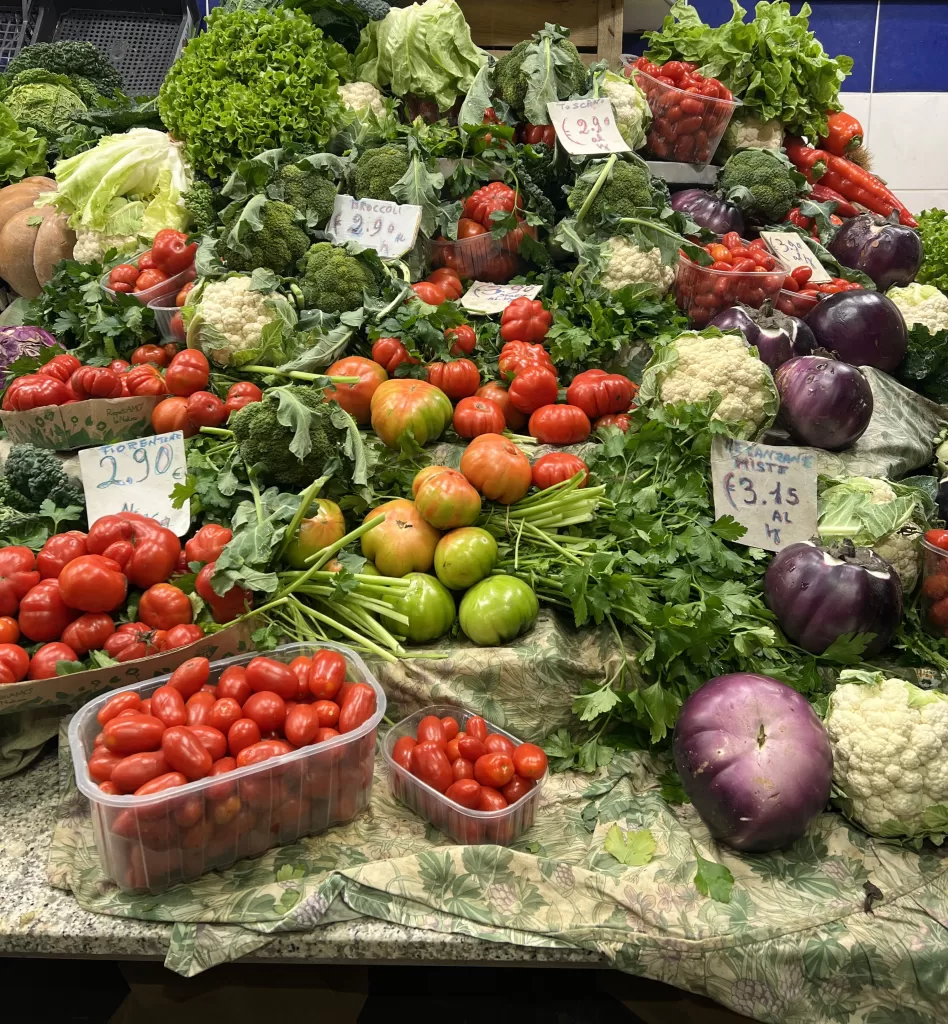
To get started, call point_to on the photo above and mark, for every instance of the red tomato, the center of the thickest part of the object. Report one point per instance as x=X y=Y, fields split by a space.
x=497 y=392
x=390 y=353
x=171 y=415
x=132 y=772
x=497 y=744
x=181 y=636
x=525 y=320
x=132 y=734
x=474 y=416
x=198 y=706
x=401 y=752
x=150 y=354
x=172 y=780
x=164 y=606
x=556 y=468
x=497 y=468
x=182 y=297
x=468 y=228
x=462 y=768
x=326 y=733
x=95 y=382
x=34 y=391
x=223 y=608
x=275 y=676
x=18 y=576
x=356 y=399
x=937 y=538
x=190 y=676
x=15 y=663
x=207 y=544
x=532 y=388
x=517 y=787
x=476 y=727
x=327 y=674
x=233 y=683
x=430 y=764
x=620 y=421
x=145 y=379
x=448 y=281
x=9 y=630
x=60 y=549
x=167 y=704
x=463 y=339
x=265 y=750
x=494 y=770
x=559 y=424
x=487 y=200
x=148 y=279
x=146 y=551
x=224 y=713
x=127 y=700
x=43 y=613
x=358 y=706
x=601 y=394
x=516 y=356
x=213 y=740
x=243 y=733
x=62 y=367
x=301 y=668
x=471 y=748
x=458 y=379
x=171 y=252
x=188 y=372
x=185 y=752
x=93 y=583
x=206 y=409
x=123 y=277
x=267 y=709
x=491 y=799
x=529 y=761
x=240 y=394
x=147 y=261
x=302 y=725
x=89 y=632
x=102 y=762
x=465 y=792
x=133 y=640
x=430 y=292
x=431 y=730
x=451 y=727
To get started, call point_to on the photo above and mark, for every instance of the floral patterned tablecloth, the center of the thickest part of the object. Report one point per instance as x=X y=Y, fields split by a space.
x=794 y=945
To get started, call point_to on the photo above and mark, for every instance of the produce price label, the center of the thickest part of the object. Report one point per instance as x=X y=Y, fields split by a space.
x=388 y=228
x=483 y=297
x=793 y=252
x=137 y=476
x=587 y=126
x=770 y=490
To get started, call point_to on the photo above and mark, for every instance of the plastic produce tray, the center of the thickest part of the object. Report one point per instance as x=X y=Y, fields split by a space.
x=178 y=835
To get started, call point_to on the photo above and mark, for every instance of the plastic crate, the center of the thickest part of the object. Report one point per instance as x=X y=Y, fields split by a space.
x=141 y=42
x=16 y=24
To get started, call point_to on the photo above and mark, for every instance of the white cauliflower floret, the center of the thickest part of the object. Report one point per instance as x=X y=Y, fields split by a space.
x=724 y=365
x=744 y=131
x=91 y=246
x=630 y=106
x=890 y=741
x=903 y=552
x=628 y=264
x=362 y=96
x=922 y=304
x=236 y=312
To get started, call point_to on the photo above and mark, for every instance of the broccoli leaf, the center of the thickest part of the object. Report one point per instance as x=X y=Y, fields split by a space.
x=353 y=446
x=542 y=65
x=421 y=187
x=292 y=413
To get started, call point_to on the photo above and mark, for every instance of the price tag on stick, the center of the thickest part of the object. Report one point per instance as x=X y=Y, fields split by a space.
x=137 y=476
x=770 y=490
x=388 y=228
x=483 y=297
x=587 y=126
x=793 y=252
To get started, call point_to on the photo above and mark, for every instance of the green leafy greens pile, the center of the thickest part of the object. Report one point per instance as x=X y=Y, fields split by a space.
x=22 y=151
x=774 y=64
x=933 y=227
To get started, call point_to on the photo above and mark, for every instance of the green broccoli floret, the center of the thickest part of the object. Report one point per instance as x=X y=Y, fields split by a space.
x=377 y=170
x=278 y=245
x=553 y=49
x=628 y=186
x=335 y=280
x=760 y=183
x=199 y=202
x=307 y=192
x=37 y=474
x=265 y=442
x=69 y=57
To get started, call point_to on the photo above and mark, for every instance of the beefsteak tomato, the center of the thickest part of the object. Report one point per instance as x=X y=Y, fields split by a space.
x=465 y=557
x=525 y=320
x=429 y=607
x=457 y=379
x=476 y=415
x=533 y=387
x=390 y=353
x=402 y=406
x=498 y=609
x=446 y=500
x=599 y=393
x=559 y=424
x=356 y=399
x=497 y=468
x=404 y=542
x=498 y=393
x=517 y=356
x=557 y=467
x=18 y=575
x=316 y=532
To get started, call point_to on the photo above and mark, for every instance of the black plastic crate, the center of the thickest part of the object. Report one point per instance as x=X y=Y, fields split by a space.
x=16 y=25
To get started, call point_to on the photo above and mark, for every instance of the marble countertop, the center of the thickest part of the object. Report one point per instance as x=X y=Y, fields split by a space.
x=39 y=920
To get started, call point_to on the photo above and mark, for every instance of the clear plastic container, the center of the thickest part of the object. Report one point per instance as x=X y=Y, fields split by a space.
x=147 y=844
x=795 y=303
x=170 y=287
x=702 y=293
x=480 y=258
x=934 y=589
x=472 y=828
x=688 y=134
x=165 y=311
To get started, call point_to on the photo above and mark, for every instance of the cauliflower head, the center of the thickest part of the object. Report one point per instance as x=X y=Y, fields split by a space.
x=744 y=131
x=630 y=106
x=91 y=246
x=890 y=753
x=362 y=96
x=695 y=366
x=922 y=304
x=229 y=319
x=628 y=264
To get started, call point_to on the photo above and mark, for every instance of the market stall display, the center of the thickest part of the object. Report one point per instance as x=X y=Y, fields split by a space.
x=450 y=367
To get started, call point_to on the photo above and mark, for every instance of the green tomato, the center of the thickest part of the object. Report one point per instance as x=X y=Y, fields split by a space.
x=464 y=557
x=429 y=607
x=498 y=609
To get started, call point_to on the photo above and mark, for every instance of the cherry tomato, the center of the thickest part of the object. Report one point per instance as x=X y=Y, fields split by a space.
x=198 y=706
x=476 y=727
x=275 y=676
x=529 y=761
x=167 y=704
x=148 y=279
x=267 y=709
x=401 y=752
x=15 y=662
x=133 y=734
x=462 y=768
x=240 y=394
x=128 y=700
x=301 y=668
x=494 y=770
x=497 y=744
x=465 y=792
x=206 y=409
x=358 y=706
x=233 y=683
x=431 y=730
x=185 y=752
x=451 y=749
x=171 y=415
x=243 y=733
x=172 y=780
x=302 y=724
x=326 y=733
x=451 y=727
x=265 y=750
x=190 y=676
x=132 y=772
x=224 y=713
x=430 y=764
x=328 y=713
x=327 y=674
x=164 y=606
x=517 y=787
x=188 y=372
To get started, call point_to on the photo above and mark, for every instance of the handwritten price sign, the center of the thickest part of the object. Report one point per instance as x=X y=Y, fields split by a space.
x=587 y=126
x=793 y=252
x=770 y=490
x=388 y=228
x=137 y=476
x=482 y=297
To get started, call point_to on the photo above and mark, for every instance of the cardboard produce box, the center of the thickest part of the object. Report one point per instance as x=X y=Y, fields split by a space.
x=82 y=424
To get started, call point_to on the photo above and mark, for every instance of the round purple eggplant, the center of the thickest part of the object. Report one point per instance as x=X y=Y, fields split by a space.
x=823 y=402
x=709 y=210
x=863 y=328
x=776 y=337
x=888 y=253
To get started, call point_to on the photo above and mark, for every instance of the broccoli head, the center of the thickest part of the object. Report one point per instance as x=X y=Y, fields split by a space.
x=277 y=245
x=554 y=50
x=759 y=182
x=69 y=57
x=37 y=474
x=377 y=170
x=335 y=280
x=199 y=202
x=309 y=193
x=264 y=441
x=628 y=186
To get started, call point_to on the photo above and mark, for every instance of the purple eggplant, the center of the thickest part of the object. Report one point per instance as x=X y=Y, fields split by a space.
x=823 y=402
x=861 y=327
x=776 y=337
x=754 y=759
x=708 y=210
x=888 y=253
x=820 y=594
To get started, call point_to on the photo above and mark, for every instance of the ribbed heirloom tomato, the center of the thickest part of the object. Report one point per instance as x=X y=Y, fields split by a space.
x=404 y=542
x=559 y=424
x=446 y=500
x=599 y=393
x=458 y=379
x=525 y=320
x=463 y=339
x=18 y=575
x=497 y=468
x=517 y=356
x=60 y=549
x=356 y=399
x=89 y=632
x=164 y=606
x=390 y=353
x=93 y=583
x=400 y=406
x=532 y=388
x=556 y=467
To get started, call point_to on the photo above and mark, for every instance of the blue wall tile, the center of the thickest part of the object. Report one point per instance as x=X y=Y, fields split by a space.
x=912 y=51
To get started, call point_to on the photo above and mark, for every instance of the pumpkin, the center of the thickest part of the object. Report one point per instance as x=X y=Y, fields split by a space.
x=33 y=239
